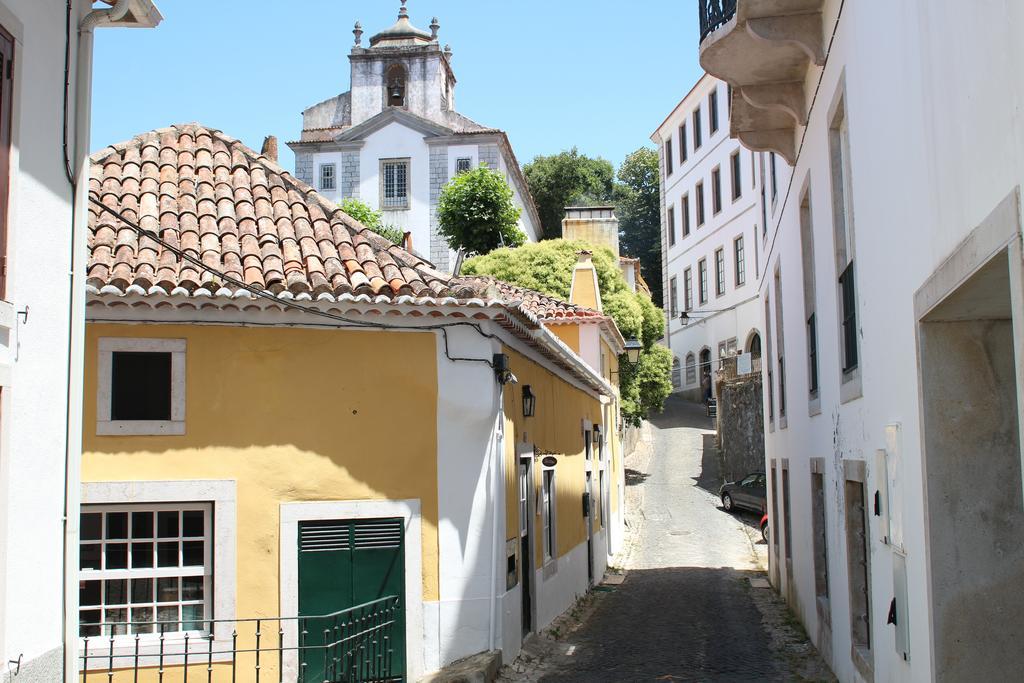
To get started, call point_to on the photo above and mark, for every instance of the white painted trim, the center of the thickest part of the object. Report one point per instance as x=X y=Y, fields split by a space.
x=223 y=496
x=409 y=511
x=105 y=426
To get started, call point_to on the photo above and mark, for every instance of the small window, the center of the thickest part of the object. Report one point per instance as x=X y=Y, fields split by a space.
x=716 y=190
x=671 y=225
x=685 y=208
x=702 y=274
x=697 y=142
x=141 y=387
x=720 y=271
x=691 y=369
x=673 y=298
x=740 y=259
x=849 y=301
x=737 y=175
x=668 y=157
x=699 y=191
x=548 y=506
x=812 y=353
x=688 y=289
x=327 y=181
x=395 y=184
x=713 y=110
x=677 y=374
x=682 y=144
x=144 y=569
x=463 y=164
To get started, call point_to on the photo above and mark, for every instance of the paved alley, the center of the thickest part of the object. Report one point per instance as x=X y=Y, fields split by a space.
x=686 y=610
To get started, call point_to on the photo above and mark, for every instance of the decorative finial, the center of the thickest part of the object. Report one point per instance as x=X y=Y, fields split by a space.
x=434 y=27
x=403 y=13
x=448 y=50
x=358 y=31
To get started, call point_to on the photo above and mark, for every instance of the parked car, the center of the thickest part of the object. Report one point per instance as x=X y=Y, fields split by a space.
x=764 y=527
x=748 y=493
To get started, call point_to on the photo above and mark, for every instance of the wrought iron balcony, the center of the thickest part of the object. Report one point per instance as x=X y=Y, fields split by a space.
x=350 y=646
x=714 y=13
x=764 y=50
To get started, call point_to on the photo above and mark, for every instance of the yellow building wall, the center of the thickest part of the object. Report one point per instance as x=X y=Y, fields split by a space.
x=569 y=334
x=290 y=415
x=555 y=429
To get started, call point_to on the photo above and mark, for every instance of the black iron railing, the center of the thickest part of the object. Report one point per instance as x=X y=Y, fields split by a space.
x=714 y=13
x=355 y=645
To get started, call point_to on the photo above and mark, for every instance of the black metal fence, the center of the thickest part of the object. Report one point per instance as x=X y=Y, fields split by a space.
x=714 y=13
x=355 y=645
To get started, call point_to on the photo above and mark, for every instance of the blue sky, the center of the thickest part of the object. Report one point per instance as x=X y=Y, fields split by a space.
x=600 y=75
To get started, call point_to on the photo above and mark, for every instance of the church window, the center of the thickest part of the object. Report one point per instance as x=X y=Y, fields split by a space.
x=327 y=176
x=394 y=183
x=395 y=83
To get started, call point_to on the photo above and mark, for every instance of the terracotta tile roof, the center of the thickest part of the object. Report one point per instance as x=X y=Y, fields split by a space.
x=238 y=212
x=541 y=306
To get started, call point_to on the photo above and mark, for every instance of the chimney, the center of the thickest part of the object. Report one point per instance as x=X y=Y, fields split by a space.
x=407 y=241
x=270 y=148
x=585 y=290
x=594 y=224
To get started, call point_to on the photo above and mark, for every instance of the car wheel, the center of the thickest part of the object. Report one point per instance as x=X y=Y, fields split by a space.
x=764 y=533
x=727 y=502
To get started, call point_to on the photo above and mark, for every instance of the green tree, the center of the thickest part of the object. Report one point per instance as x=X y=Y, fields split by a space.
x=639 y=212
x=476 y=212
x=373 y=220
x=564 y=179
x=547 y=267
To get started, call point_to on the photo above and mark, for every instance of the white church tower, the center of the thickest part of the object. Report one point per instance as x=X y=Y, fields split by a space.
x=394 y=139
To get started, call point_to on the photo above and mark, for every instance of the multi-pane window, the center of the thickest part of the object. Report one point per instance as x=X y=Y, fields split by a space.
x=702 y=277
x=144 y=569
x=691 y=369
x=327 y=177
x=687 y=289
x=668 y=157
x=713 y=110
x=673 y=297
x=737 y=175
x=696 y=129
x=699 y=192
x=548 y=506
x=682 y=144
x=395 y=184
x=716 y=190
x=670 y=221
x=844 y=243
x=720 y=271
x=685 y=209
x=463 y=164
x=740 y=261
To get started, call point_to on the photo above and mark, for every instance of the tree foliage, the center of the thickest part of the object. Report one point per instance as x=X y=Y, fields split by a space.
x=372 y=219
x=639 y=212
x=566 y=179
x=476 y=212
x=547 y=267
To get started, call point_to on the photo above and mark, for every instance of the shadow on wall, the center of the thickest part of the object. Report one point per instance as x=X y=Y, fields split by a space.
x=710 y=478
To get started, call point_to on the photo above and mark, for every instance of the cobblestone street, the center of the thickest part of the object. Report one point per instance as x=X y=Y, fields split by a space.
x=686 y=610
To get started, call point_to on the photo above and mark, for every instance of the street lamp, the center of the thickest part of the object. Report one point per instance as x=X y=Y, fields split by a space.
x=633 y=349
x=529 y=401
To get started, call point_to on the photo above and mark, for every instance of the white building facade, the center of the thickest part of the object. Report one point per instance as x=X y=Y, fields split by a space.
x=893 y=317
x=710 y=200
x=395 y=139
x=42 y=239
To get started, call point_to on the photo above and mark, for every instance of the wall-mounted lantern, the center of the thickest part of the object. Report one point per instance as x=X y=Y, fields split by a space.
x=597 y=435
x=529 y=401
x=633 y=349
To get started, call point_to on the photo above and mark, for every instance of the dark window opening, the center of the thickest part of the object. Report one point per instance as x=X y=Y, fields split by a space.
x=713 y=110
x=849 y=297
x=140 y=386
x=737 y=177
x=396 y=85
x=696 y=129
x=716 y=190
x=812 y=352
x=668 y=156
x=682 y=144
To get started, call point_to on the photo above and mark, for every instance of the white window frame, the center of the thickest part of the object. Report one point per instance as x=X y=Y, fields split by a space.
x=549 y=508
x=384 y=163
x=222 y=496
x=333 y=168
x=155 y=572
x=105 y=426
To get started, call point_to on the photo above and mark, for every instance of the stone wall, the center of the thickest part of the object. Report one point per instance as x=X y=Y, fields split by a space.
x=741 y=426
x=438 y=178
x=349 y=175
x=304 y=167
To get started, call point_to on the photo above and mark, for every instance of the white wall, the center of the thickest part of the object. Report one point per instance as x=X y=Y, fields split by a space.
x=34 y=369
x=937 y=142
x=733 y=314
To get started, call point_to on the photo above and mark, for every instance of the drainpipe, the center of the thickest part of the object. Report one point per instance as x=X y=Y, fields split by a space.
x=76 y=167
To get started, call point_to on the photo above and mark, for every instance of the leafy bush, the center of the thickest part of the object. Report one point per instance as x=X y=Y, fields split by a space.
x=373 y=220
x=476 y=212
x=547 y=267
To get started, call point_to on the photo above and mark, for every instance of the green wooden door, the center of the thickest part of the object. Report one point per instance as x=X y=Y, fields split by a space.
x=344 y=564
